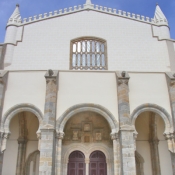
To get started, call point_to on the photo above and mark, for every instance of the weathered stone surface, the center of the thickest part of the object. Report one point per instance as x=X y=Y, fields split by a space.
x=47 y=140
x=126 y=134
x=153 y=139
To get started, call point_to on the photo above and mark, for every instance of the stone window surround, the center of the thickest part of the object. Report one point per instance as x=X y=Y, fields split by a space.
x=89 y=38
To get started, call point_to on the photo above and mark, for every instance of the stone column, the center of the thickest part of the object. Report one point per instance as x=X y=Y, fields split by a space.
x=153 y=140
x=22 y=143
x=116 y=151
x=58 y=159
x=126 y=134
x=3 y=80
x=87 y=166
x=47 y=142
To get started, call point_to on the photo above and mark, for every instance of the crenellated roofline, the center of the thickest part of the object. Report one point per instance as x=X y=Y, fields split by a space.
x=89 y=6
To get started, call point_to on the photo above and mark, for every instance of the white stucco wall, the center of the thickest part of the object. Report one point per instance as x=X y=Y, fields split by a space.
x=148 y=88
x=11 y=152
x=25 y=87
x=164 y=153
x=32 y=126
x=87 y=87
x=142 y=143
x=130 y=44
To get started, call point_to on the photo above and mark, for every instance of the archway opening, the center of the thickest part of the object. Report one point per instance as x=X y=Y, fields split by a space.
x=21 y=143
x=76 y=165
x=87 y=131
x=151 y=146
x=97 y=164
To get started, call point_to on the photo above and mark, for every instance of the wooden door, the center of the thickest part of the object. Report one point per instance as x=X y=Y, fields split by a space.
x=97 y=164
x=76 y=164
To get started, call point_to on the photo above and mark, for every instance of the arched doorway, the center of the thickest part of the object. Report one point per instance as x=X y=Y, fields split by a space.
x=97 y=164
x=76 y=164
x=21 y=143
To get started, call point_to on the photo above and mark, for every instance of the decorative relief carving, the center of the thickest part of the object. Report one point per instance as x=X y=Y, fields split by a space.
x=170 y=137
x=75 y=135
x=114 y=136
x=5 y=137
x=60 y=135
x=98 y=136
x=87 y=129
x=123 y=81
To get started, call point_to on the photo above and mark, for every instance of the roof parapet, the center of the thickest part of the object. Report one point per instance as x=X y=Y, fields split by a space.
x=93 y=7
x=159 y=16
x=15 y=17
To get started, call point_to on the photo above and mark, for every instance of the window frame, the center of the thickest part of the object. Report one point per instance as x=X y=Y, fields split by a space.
x=86 y=67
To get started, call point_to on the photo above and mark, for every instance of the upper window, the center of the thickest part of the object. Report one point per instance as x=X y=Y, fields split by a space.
x=88 y=53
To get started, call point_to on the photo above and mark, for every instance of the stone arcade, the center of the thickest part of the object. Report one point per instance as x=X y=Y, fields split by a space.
x=87 y=90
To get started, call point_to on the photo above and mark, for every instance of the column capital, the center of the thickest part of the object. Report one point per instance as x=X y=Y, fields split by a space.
x=122 y=78
x=22 y=140
x=51 y=74
x=87 y=161
x=3 y=76
x=60 y=135
x=114 y=136
x=5 y=135
x=38 y=135
x=169 y=136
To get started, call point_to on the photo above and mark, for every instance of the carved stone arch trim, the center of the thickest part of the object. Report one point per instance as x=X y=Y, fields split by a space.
x=17 y=109
x=73 y=148
x=31 y=157
x=87 y=107
x=158 y=110
x=86 y=150
x=140 y=161
x=103 y=149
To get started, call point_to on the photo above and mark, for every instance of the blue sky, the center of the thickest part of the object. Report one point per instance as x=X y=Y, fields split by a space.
x=35 y=7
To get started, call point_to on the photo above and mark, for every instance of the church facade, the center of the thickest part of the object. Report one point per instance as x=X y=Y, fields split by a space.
x=87 y=90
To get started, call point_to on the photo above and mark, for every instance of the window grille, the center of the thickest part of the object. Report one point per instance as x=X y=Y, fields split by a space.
x=88 y=53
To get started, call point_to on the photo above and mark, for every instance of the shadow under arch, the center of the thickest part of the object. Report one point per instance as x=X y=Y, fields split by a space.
x=87 y=107
x=5 y=125
x=156 y=109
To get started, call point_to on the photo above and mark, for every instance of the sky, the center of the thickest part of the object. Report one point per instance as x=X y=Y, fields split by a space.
x=35 y=7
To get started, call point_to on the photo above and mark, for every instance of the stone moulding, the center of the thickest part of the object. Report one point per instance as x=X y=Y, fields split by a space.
x=61 y=121
x=88 y=7
x=158 y=110
x=86 y=150
x=17 y=109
